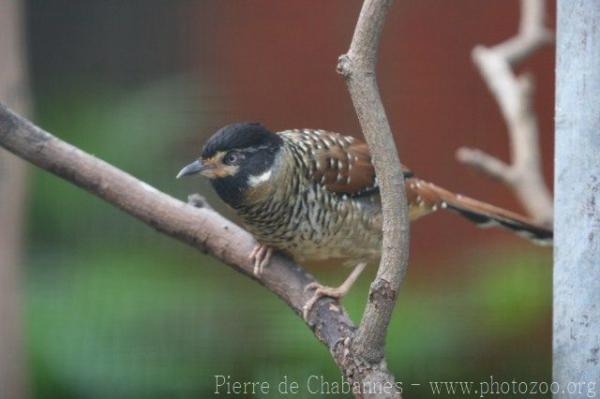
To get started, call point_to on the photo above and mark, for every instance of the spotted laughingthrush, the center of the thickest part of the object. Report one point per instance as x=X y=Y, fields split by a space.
x=313 y=195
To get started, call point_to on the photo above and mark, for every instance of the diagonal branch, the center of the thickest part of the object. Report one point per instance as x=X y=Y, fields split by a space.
x=201 y=228
x=358 y=69
x=514 y=96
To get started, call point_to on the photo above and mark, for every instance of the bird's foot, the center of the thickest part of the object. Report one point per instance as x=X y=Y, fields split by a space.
x=261 y=256
x=332 y=292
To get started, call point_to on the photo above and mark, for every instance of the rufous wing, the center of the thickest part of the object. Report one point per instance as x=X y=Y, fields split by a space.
x=343 y=164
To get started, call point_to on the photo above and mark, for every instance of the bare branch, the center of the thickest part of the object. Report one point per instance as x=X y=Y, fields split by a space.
x=485 y=163
x=198 y=226
x=532 y=33
x=514 y=96
x=358 y=69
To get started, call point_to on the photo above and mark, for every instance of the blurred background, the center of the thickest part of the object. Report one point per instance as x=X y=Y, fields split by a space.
x=111 y=309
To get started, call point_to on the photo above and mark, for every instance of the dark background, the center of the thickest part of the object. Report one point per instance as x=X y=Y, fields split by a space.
x=115 y=310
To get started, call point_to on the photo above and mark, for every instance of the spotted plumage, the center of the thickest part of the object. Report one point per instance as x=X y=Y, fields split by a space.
x=302 y=214
x=313 y=194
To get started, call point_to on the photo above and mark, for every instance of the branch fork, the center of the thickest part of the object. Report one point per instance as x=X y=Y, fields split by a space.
x=514 y=95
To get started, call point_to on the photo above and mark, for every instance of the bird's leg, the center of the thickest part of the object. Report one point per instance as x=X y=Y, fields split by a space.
x=261 y=256
x=333 y=292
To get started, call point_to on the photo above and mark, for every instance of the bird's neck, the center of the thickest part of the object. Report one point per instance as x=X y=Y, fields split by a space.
x=262 y=187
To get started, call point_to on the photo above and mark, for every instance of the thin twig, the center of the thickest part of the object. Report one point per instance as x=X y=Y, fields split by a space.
x=358 y=69
x=514 y=96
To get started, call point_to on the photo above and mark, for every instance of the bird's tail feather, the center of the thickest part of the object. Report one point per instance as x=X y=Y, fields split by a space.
x=432 y=197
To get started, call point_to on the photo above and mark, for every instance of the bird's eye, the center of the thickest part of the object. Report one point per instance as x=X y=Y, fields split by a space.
x=233 y=157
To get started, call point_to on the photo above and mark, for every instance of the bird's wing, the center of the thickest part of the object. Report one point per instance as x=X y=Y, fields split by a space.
x=342 y=164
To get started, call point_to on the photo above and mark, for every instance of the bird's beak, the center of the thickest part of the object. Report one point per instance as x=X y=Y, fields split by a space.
x=191 y=169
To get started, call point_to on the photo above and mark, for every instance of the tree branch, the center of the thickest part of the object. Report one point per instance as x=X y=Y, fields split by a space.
x=199 y=227
x=358 y=69
x=514 y=96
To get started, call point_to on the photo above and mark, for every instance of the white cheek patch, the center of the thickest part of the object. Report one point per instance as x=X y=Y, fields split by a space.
x=254 y=181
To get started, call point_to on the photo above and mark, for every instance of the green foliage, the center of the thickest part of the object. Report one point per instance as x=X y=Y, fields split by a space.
x=133 y=323
x=135 y=130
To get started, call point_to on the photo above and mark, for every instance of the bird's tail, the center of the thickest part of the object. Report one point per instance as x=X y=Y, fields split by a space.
x=428 y=198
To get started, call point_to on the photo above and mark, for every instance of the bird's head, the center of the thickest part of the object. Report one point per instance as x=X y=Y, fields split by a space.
x=236 y=158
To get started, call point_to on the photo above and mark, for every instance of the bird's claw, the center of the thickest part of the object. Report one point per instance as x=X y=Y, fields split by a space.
x=320 y=292
x=261 y=256
x=332 y=292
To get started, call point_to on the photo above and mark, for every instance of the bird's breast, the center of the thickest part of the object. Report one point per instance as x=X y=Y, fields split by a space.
x=316 y=224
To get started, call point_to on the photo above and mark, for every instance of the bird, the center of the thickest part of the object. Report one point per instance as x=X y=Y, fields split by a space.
x=313 y=195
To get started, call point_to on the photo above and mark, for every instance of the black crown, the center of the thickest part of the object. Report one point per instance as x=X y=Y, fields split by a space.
x=239 y=136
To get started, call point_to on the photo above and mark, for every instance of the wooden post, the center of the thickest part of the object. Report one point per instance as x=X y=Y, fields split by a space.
x=577 y=200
